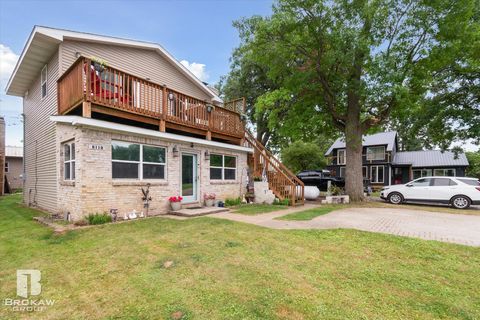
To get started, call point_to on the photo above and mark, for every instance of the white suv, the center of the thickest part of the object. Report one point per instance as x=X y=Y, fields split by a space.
x=459 y=192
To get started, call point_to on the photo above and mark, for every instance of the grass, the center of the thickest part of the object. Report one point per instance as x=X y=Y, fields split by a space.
x=227 y=270
x=311 y=213
x=254 y=209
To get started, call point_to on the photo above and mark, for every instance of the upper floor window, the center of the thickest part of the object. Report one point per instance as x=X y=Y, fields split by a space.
x=6 y=167
x=69 y=161
x=223 y=167
x=136 y=161
x=376 y=153
x=341 y=156
x=43 y=81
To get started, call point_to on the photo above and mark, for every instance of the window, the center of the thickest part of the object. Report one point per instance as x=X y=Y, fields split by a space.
x=69 y=161
x=6 y=167
x=136 y=161
x=376 y=174
x=425 y=182
x=341 y=158
x=471 y=182
x=223 y=167
x=442 y=182
x=364 y=172
x=420 y=173
x=342 y=172
x=376 y=153
x=444 y=172
x=43 y=81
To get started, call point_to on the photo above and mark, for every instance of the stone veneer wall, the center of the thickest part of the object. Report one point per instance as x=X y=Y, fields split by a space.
x=94 y=190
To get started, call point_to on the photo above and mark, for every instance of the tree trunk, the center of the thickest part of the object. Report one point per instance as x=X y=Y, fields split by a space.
x=353 y=144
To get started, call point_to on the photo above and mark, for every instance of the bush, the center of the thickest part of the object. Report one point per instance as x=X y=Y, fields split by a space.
x=300 y=156
x=233 y=202
x=336 y=190
x=284 y=202
x=99 y=218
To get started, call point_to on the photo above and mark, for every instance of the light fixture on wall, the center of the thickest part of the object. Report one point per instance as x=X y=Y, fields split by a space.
x=175 y=151
x=207 y=155
x=78 y=54
x=171 y=96
x=192 y=145
x=210 y=108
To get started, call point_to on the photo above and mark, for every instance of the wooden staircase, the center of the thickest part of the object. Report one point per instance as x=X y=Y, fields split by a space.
x=281 y=181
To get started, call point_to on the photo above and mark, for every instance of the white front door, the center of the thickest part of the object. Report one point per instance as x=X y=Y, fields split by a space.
x=188 y=178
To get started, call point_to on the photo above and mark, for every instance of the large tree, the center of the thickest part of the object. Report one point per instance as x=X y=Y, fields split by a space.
x=352 y=63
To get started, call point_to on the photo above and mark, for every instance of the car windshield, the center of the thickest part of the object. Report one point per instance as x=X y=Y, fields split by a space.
x=471 y=182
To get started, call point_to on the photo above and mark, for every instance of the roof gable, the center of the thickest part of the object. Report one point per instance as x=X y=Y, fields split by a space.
x=381 y=138
x=44 y=41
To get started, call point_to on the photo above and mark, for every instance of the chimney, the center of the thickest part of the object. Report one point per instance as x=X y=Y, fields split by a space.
x=2 y=156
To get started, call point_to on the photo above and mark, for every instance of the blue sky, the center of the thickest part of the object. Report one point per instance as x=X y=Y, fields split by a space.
x=199 y=32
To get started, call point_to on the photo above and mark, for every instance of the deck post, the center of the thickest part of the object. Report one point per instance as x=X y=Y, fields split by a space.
x=209 y=135
x=87 y=109
x=162 y=125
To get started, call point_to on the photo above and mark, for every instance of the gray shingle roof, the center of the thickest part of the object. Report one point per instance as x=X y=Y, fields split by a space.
x=430 y=158
x=387 y=138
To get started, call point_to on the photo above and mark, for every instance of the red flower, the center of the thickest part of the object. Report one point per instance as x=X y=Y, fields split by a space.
x=175 y=199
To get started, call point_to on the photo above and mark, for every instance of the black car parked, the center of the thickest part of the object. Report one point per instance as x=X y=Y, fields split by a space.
x=320 y=178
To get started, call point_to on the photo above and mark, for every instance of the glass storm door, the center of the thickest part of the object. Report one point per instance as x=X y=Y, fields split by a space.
x=189 y=177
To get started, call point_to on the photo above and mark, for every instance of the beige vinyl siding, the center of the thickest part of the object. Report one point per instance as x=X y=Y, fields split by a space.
x=40 y=142
x=142 y=63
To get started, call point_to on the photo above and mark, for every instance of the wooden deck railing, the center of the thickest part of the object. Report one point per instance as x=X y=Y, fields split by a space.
x=108 y=87
x=283 y=183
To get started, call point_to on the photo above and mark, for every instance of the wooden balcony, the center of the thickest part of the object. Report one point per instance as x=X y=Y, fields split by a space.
x=96 y=90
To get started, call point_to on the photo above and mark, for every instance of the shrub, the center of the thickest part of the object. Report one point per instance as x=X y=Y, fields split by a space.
x=284 y=202
x=99 y=218
x=336 y=190
x=301 y=155
x=233 y=202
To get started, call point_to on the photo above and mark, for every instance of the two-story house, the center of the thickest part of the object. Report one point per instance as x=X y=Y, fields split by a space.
x=383 y=164
x=106 y=116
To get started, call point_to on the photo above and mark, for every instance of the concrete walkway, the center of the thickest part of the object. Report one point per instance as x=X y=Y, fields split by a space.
x=454 y=228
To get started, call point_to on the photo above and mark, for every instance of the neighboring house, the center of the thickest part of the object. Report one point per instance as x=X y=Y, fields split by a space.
x=2 y=156
x=384 y=165
x=14 y=167
x=106 y=116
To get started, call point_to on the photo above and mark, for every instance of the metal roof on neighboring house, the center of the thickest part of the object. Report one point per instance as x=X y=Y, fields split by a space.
x=380 y=138
x=13 y=151
x=430 y=158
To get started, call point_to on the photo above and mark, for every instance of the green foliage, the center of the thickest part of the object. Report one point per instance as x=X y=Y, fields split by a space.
x=336 y=190
x=300 y=156
x=230 y=202
x=284 y=202
x=98 y=218
x=473 y=169
x=257 y=208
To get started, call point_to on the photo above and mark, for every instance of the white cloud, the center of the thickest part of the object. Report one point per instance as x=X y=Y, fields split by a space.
x=8 y=59
x=198 y=69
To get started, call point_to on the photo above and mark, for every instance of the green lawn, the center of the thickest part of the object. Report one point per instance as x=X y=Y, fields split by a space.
x=254 y=209
x=311 y=213
x=228 y=270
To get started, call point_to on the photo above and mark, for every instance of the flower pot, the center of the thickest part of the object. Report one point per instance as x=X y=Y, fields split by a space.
x=209 y=202
x=176 y=206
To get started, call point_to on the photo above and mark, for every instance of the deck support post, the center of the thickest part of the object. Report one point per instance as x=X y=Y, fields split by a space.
x=162 y=125
x=209 y=135
x=87 y=109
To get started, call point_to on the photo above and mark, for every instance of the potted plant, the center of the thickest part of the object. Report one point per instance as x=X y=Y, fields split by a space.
x=209 y=199
x=175 y=203
x=99 y=64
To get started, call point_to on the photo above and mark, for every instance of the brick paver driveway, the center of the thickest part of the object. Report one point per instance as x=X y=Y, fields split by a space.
x=454 y=228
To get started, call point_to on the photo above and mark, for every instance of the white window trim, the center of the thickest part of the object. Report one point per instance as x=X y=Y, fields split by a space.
x=223 y=167
x=140 y=163
x=344 y=156
x=7 y=167
x=445 y=169
x=44 y=81
x=376 y=175
x=369 y=154
x=340 y=172
x=73 y=159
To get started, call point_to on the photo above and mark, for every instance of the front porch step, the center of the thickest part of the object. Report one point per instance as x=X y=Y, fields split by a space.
x=198 y=212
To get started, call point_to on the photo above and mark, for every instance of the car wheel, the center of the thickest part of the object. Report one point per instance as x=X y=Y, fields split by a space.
x=460 y=202
x=395 y=198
